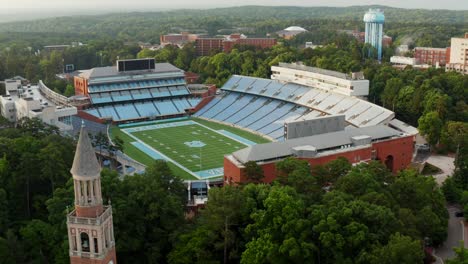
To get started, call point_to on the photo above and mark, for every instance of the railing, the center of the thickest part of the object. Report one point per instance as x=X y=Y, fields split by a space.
x=90 y=221
x=56 y=98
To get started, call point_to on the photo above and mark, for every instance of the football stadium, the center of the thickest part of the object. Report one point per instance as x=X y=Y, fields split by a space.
x=159 y=116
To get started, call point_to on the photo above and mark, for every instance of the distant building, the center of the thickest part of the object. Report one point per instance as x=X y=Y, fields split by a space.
x=311 y=45
x=400 y=60
x=205 y=45
x=402 y=49
x=346 y=84
x=36 y=101
x=387 y=41
x=178 y=39
x=432 y=56
x=290 y=32
x=61 y=48
x=459 y=55
x=374 y=20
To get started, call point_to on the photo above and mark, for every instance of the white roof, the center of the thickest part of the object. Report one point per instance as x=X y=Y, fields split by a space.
x=295 y=28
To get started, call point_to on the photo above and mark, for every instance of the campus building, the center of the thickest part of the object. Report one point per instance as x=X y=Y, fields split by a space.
x=178 y=39
x=347 y=84
x=374 y=19
x=357 y=144
x=134 y=90
x=90 y=225
x=36 y=101
x=290 y=32
x=459 y=55
x=206 y=45
x=432 y=56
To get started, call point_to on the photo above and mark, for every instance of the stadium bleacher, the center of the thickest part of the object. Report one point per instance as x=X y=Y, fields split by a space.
x=140 y=99
x=137 y=110
x=264 y=105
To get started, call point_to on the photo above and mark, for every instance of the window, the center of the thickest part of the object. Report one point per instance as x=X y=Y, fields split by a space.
x=96 y=248
x=84 y=242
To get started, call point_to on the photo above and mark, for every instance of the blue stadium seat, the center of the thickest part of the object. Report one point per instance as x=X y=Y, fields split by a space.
x=166 y=107
x=227 y=101
x=251 y=107
x=261 y=112
x=126 y=111
x=238 y=105
x=146 y=109
x=194 y=101
x=181 y=104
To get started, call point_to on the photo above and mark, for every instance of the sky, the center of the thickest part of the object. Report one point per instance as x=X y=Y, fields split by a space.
x=133 y=5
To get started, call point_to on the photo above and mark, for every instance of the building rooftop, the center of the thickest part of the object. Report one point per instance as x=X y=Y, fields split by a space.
x=321 y=142
x=112 y=71
x=295 y=28
x=302 y=67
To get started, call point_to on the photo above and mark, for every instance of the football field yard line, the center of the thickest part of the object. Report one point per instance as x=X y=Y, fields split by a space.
x=224 y=135
x=168 y=141
x=166 y=157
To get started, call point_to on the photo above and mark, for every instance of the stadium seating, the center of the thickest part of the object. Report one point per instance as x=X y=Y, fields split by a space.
x=137 y=110
x=265 y=105
x=135 y=85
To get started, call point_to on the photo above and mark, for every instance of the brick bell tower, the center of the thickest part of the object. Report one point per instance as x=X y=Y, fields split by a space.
x=90 y=227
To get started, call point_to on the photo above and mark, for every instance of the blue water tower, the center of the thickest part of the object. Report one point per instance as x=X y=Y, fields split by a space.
x=374 y=19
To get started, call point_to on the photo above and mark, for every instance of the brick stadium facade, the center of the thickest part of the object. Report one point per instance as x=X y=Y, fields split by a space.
x=395 y=153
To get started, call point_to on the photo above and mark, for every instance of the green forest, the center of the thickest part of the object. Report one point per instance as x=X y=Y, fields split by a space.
x=369 y=216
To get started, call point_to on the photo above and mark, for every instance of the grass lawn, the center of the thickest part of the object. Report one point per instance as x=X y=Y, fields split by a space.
x=194 y=147
x=180 y=144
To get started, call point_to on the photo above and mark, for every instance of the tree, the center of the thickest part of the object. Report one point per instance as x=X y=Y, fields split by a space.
x=451 y=190
x=430 y=126
x=461 y=255
x=253 y=172
x=39 y=241
x=400 y=249
x=216 y=236
x=69 y=90
x=347 y=228
x=282 y=233
x=148 y=208
x=390 y=92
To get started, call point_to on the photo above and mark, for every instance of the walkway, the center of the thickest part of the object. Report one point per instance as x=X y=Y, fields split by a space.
x=445 y=164
x=454 y=235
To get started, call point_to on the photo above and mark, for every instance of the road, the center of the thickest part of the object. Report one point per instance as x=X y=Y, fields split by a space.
x=454 y=235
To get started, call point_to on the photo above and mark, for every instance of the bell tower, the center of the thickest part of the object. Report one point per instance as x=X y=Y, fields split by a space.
x=90 y=227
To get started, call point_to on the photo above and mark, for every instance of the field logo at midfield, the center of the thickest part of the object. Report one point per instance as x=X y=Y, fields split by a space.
x=195 y=144
x=191 y=158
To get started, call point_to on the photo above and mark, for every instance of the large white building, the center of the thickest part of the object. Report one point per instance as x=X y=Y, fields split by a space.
x=36 y=101
x=347 y=84
x=459 y=55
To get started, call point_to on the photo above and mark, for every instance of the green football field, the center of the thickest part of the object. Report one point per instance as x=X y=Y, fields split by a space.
x=195 y=148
